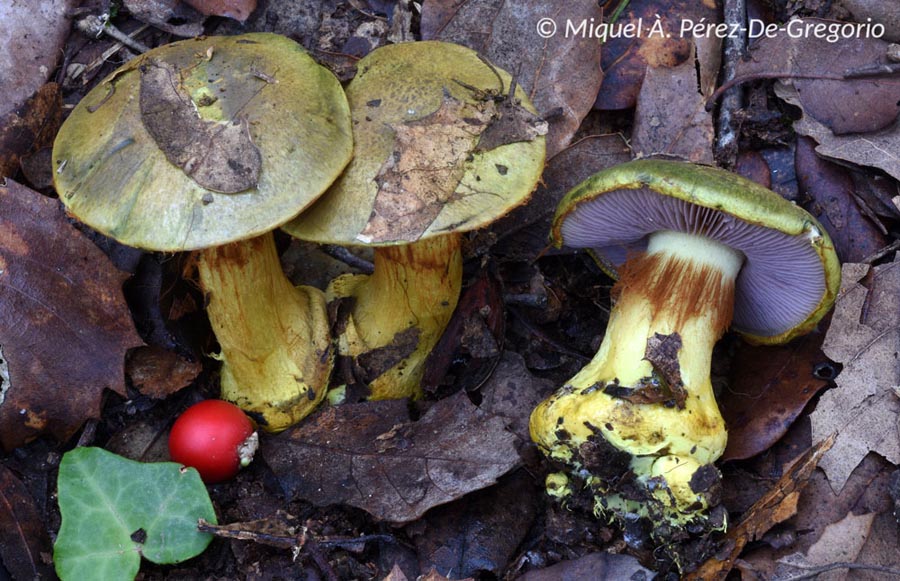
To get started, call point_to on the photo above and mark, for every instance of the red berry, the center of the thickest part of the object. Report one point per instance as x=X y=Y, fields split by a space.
x=215 y=437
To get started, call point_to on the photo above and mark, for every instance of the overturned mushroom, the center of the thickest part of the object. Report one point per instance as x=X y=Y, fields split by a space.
x=441 y=146
x=691 y=245
x=210 y=144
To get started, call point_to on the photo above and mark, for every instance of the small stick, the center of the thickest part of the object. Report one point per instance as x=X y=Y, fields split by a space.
x=895 y=245
x=726 y=144
x=96 y=26
x=348 y=258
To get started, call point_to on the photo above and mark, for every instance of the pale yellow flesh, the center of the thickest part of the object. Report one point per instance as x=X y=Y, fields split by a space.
x=664 y=442
x=416 y=285
x=274 y=337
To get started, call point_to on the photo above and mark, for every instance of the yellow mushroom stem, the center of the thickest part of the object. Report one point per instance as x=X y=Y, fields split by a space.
x=274 y=337
x=683 y=284
x=398 y=313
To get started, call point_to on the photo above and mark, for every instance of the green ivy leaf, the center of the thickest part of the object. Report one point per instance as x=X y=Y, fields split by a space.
x=114 y=510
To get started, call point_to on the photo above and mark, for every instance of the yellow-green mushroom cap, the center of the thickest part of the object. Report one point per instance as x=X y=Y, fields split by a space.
x=790 y=275
x=436 y=149
x=202 y=142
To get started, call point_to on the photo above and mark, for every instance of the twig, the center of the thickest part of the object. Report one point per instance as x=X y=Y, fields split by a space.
x=815 y=572
x=96 y=26
x=728 y=124
x=537 y=332
x=348 y=258
x=895 y=245
x=711 y=101
x=873 y=71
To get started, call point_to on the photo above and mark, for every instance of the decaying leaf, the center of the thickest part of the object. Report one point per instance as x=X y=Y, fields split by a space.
x=768 y=388
x=841 y=543
x=425 y=169
x=879 y=149
x=433 y=575
x=560 y=74
x=372 y=456
x=471 y=345
x=662 y=353
x=820 y=509
x=64 y=325
x=29 y=127
x=373 y=364
x=886 y=13
x=172 y=16
x=512 y=393
x=626 y=59
x=831 y=194
x=592 y=566
x=396 y=574
x=814 y=66
x=218 y=155
x=157 y=372
x=513 y=124
x=480 y=533
x=865 y=337
x=23 y=537
x=31 y=43
x=239 y=10
x=670 y=117
x=778 y=505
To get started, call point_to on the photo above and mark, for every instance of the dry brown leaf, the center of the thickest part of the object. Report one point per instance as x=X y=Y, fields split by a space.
x=372 y=456
x=625 y=59
x=832 y=201
x=886 y=13
x=776 y=506
x=769 y=385
x=814 y=65
x=64 y=324
x=479 y=534
x=867 y=491
x=671 y=117
x=428 y=162
x=593 y=566
x=31 y=42
x=512 y=392
x=433 y=575
x=23 y=537
x=219 y=156
x=840 y=543
x=879 y=149
x=865 y=337
x=158 y=372
x=30 y=127
x=239 y=10
x=396 y=574
x=561 y=75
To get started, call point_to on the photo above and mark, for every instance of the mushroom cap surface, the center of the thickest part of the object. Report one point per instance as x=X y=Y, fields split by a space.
x=790 y=275
x=249 y=103
x=419 y=110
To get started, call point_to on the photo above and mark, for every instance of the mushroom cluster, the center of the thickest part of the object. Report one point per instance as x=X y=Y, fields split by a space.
x=210 y=144
x=695 y=249
x=442 y=144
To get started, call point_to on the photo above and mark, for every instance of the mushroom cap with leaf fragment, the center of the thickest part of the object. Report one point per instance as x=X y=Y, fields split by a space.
x=203 y=142
x=437 y=149
x=790 y=275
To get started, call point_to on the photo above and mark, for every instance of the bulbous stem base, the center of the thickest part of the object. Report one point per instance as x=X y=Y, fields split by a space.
x=640 y=423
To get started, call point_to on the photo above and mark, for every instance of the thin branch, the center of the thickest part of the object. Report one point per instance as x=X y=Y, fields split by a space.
x=815 y=572
x=728 y=125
